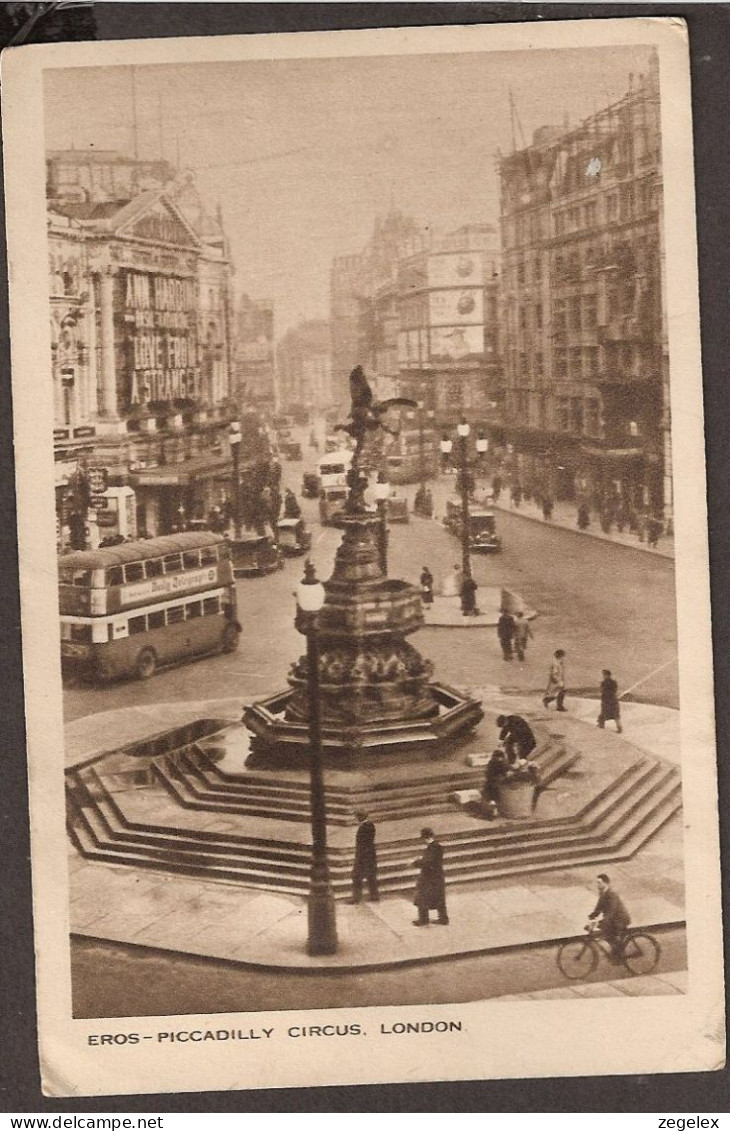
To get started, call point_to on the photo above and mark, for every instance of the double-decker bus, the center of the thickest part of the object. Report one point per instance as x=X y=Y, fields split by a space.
x=408 y=460
x=128 y=609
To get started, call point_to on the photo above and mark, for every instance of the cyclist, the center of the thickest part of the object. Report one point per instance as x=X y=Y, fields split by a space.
x=614 y=918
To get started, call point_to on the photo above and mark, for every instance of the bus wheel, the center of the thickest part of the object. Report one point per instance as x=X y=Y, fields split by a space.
x=146 y=663
x=230 y=638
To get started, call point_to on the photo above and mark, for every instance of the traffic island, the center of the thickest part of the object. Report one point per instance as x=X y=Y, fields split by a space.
x=446 y=612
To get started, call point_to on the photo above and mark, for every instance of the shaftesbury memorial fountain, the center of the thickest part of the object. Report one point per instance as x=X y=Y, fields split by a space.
x=377 y=697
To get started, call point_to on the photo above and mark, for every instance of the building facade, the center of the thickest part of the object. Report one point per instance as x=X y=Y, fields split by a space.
x=448 y=341
x=140 y=346
x=584 y=328
x=255 y=357
x=304 y=367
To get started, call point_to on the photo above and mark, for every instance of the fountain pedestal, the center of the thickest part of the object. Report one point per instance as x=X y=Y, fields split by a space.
x=377 y=697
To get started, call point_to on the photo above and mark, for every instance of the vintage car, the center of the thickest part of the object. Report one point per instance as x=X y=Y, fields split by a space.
x=331 y=504
x=310 y=485
x=483 y=537
x=291 y=449
x=294 y=538
x=254 y=554
x=398 y=509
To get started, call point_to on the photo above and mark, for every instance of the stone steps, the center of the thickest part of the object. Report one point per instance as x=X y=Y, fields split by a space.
x=612 y=826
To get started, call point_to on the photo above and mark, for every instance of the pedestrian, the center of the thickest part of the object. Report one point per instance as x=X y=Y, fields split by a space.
x=584 y=516
x=453 y=582
x=614 y=918
x=522 y=633
x=493 y=773
x=505 y=632
x=516 y=735
x=555 y=689
x=366 y=862
x=547 y=509
x=431 y=884
x=610 y=708
x=516 y=496
x=496 y=487
x=654 y=529
x=426 y=586
x=292 y=508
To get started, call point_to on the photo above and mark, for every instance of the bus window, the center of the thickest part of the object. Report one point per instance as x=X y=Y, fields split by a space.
x=134 y=571
x=115 y=575
x=156 y=619
x=193 y=610
x=137 y=624
x=175 y=614
x=153 y=568
x=78 y=577
x=172 y=563
x=191 y=559
x=81 y=633
x=208 y=554
x=211 y=606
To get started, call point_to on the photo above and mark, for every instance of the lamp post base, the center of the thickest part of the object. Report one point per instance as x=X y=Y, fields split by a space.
x=321 y=917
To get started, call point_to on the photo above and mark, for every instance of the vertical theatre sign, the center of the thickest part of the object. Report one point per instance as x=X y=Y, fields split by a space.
x=159 y=339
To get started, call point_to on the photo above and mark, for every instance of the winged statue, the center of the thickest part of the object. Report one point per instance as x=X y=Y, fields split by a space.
x=366 y=414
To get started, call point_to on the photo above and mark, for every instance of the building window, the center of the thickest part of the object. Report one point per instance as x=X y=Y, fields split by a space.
x=539 y=364
x=576 y=364
x=520 y=273
x=576 y=415
x=563 y=414
x=593 y=417
x=591 y=361
x=559 y=315
x=560 y=363
x=538 y=315
x=590 y=310
x=537 y=269
x=575 y=314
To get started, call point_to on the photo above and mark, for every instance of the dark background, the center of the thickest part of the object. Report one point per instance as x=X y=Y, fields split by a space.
x=709 y=30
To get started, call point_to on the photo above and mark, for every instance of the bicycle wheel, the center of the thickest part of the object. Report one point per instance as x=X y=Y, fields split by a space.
x=640 y=953
x=577 y=958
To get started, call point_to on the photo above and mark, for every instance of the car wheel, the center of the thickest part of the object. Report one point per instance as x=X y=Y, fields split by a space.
x=146 y=664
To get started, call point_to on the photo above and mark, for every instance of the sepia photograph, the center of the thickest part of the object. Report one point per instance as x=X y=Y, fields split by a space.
x=363 y=556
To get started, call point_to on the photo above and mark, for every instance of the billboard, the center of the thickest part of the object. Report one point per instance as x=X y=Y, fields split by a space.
x=458 y=307
x=457 y=343
x=155 y=317
x=456 y=269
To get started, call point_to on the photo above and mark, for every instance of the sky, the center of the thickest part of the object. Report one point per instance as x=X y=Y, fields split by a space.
x=303 y=155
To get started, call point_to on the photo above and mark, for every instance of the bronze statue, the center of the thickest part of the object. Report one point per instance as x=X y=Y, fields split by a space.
x=366 y=416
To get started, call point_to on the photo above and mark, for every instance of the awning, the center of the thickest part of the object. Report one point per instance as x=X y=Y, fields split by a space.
x=184 y=473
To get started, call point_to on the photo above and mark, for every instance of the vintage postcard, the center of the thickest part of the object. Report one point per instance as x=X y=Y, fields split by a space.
x=363 y=553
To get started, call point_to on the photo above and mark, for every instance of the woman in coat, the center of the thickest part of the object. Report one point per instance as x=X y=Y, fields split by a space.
x=431 y=884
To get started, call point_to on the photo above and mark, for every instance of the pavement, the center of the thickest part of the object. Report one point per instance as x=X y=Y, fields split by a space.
x=565 y=514
x=265 y=929
x=445 y=612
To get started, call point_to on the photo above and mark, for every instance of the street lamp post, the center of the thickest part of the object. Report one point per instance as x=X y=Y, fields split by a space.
x=464 y=483
x=322 y=937
x=235 y=437
x=381 y=490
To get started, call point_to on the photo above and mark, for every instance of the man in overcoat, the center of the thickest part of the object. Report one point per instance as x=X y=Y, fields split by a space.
x=366 y=862
x=610 y=708
x=505 y=632
x=431 y=884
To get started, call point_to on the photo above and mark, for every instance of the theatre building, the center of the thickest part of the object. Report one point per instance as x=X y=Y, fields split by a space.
x=140 y=346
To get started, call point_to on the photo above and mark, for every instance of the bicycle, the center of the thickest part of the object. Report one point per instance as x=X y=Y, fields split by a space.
x=578 y=958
